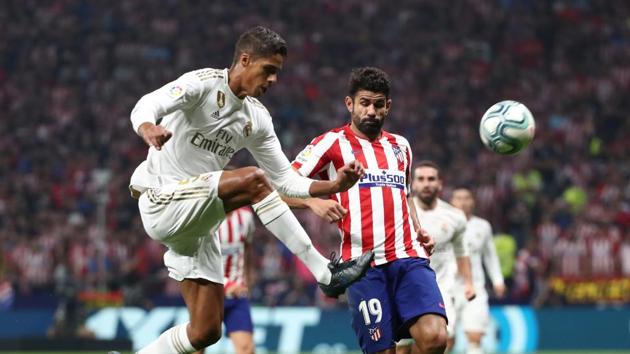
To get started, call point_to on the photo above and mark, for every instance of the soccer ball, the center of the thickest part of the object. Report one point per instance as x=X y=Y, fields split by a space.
x=507 y=127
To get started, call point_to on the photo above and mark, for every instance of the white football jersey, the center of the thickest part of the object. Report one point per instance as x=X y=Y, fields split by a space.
x=209 y=125
x=478 y=238
x=446 y=224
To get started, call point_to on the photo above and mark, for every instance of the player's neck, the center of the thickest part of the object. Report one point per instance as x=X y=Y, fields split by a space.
x=424 y=206
x=362 y=135
x=234 y=82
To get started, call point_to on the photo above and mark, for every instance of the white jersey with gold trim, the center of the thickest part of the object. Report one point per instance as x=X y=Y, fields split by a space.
x=446 y=224
x=209 y=125
x=482 y=251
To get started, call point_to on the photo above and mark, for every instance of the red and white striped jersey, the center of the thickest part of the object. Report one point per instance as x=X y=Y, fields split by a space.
x=233 y=233
x=378 y=216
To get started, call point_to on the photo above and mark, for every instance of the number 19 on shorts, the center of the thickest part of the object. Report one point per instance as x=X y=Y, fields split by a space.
x=371 y=307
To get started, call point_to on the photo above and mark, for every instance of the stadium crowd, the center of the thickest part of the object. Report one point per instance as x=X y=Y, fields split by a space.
x=71 y=71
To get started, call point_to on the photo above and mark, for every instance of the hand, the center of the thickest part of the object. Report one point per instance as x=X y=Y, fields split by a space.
x=237 y=290
x=348 y=175
x=469 y=291
x=426 y=240
x=499 y=290
x=154 y=135
x=327 y=209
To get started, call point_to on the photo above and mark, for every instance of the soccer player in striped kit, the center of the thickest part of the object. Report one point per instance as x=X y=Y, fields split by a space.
x=475 y=314
x=399 y=296
x=194 y=125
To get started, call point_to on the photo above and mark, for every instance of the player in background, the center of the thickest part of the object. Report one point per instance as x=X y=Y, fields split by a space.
x=447 y=225
x=399 y=296
x=194 y=125
x=475 y=314
x=235 y=236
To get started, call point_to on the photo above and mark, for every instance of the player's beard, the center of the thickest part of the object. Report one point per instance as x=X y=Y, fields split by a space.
x=428 y=198
x=368 y=126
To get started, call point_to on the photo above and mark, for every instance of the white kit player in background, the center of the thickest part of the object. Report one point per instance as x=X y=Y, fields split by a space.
x=475 y=314
x=446 y=224
x=194 y=125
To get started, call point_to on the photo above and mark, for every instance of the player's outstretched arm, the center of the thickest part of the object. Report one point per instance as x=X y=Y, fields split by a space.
x=326 y=209
x=347 y=176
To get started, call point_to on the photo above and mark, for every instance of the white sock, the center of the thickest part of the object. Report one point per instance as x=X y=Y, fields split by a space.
x=474 y=348
x=173 y=341
x=278 y=218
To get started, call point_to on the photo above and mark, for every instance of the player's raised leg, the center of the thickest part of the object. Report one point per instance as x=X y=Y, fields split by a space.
x=249 y=185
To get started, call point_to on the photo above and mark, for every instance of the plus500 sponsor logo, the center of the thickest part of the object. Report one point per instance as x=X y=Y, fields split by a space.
x=382 y=178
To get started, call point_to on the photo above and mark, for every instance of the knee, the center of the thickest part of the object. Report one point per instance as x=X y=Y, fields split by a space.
x=433 y=336
x=435 y=340
x=245 y=348
x=204 y=337
x=257 y=183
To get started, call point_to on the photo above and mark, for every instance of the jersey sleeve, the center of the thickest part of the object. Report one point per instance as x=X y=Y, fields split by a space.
x=490 y=257
x=408 y=174
x=459 y=245
x=265 y=147
x=184 y=93
x=315 y=157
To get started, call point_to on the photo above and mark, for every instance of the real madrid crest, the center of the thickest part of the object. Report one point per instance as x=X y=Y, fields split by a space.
x=247 y=129
x=220 y=99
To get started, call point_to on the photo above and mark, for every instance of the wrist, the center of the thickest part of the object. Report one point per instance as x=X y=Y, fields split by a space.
x=335 y=187
x=142 y=127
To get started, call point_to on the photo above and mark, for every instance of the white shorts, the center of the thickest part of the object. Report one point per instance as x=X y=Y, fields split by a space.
x=475 y=314
x=183 y=216
x=451 y=313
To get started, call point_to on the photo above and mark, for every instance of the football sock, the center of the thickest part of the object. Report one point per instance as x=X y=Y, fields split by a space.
x=278 y=218
x=173 y=341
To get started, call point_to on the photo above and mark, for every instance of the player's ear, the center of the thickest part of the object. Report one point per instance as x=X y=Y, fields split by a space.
x=349 y=103
x=245 y=59
x=388 y=105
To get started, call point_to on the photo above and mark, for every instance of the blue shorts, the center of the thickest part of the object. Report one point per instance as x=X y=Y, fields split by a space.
x=389 y=299
x=237 y=315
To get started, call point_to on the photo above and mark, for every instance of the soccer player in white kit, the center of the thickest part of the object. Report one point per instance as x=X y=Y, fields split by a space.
x=475 y=314
x=194 y=125
x=446 y=224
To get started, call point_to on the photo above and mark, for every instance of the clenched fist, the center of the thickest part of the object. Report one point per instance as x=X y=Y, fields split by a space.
x=348 y=175
x=154 y=135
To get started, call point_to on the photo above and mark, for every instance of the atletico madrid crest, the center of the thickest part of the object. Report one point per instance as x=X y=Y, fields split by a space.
x=398 y=152
x=375 y=333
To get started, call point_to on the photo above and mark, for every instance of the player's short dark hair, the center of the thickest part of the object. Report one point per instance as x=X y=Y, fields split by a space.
x=370 y=79
x=465 y=187
x=427 y=163
x=259 y=42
